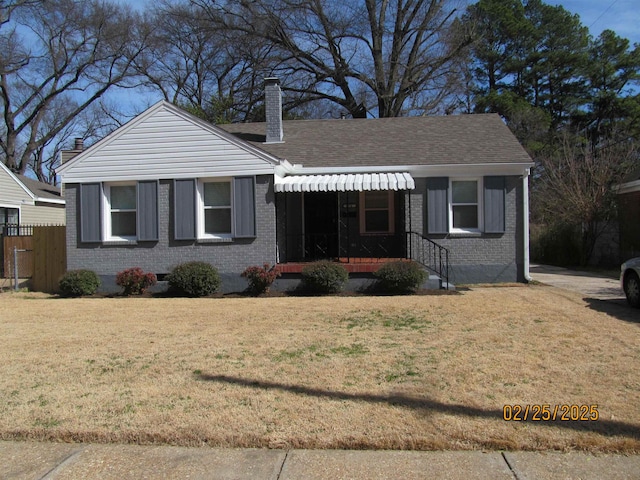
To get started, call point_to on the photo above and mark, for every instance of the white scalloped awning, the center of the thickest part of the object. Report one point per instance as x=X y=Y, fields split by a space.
x=346 y=182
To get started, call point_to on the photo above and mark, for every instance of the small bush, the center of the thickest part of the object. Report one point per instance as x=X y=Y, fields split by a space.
x=400 y=277
x=134 y=281
x=324 y=277
x=260 y=278
x=195 y=279
x=78 y=283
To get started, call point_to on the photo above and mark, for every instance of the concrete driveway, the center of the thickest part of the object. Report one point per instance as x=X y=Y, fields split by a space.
x=591 y=285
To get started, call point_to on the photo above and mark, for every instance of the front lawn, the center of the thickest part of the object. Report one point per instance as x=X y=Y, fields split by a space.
x=409 y=372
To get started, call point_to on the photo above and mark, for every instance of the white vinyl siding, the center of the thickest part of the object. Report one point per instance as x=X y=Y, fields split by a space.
x=43 y=215
x=11 y=192
x=165 y=142
x=14 y=195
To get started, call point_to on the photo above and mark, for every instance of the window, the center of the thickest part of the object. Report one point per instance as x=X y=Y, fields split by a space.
x=9 y=220
x=376 y=212
x=217 y=208
x=214 y=208
x=119 y=212
x=465 y=205
x=121 y=220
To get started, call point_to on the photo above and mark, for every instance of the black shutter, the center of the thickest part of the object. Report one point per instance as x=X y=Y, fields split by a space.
x=437 y=205
x=244 y=206
x=90 y=212
x=184 y=209
x=494 y=197
x=147 y=215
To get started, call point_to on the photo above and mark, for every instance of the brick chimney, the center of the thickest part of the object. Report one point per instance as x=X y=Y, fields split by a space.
x=273 y=110
x=66 y=155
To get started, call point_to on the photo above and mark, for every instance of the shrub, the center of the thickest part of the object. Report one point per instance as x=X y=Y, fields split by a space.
x=134 y=281
x=260 y=278
x=77 y=283
x=400 y=277
x=195 y=279
x=324 y=277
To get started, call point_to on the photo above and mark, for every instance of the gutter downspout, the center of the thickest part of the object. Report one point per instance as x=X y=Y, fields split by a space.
x=525 y=221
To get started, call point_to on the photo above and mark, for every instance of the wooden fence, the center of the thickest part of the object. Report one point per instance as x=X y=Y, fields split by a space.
x=44 y=260
x=25 y=258
x=49 y=258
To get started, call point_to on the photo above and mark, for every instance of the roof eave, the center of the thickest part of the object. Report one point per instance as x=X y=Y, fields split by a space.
x=628 y=187
x=57 y=201
x=516 y=168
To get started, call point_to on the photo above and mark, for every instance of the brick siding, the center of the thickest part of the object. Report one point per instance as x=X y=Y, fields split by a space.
x=159 y=257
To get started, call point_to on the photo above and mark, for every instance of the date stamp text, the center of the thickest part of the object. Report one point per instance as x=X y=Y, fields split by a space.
x=550 y=413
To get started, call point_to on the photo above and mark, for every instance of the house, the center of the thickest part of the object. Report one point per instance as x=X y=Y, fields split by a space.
x=167 y=188
x=24 y=201
x=628 y=215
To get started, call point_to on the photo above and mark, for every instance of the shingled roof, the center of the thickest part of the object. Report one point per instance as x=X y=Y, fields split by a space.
x=435 y=140
x=39 y=189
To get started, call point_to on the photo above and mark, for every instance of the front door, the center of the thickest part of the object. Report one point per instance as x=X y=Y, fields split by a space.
x=321 y=225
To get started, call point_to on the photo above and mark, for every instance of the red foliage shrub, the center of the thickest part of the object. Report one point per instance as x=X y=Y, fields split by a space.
x=260 y=278
x=134 y=281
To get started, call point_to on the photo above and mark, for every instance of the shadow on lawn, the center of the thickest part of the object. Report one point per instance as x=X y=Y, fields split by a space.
x=618 y=308
x=603 y=427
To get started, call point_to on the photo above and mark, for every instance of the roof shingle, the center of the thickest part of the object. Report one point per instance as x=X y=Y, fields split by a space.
x=40 y=189
x=435 y=140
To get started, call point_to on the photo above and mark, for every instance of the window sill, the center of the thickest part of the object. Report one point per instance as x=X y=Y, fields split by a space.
x=119 y=242
x=465 y=234
x=214 y=240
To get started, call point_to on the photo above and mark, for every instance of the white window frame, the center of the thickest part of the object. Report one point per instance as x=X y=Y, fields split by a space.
x=391 y=214
x=13 y=207
x=106 y=213
x=479 y=199
x=201 y=234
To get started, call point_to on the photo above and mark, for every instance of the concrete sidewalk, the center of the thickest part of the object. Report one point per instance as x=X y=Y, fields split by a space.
x=591 y=285
x=32 y=460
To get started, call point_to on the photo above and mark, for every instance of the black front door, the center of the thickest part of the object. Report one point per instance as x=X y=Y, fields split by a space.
x=321 y=225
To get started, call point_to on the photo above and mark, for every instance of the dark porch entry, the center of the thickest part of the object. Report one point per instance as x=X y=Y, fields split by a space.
x=343 y=226
x=321 y=226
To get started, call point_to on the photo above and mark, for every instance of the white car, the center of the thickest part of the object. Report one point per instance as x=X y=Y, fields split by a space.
x=630 y=281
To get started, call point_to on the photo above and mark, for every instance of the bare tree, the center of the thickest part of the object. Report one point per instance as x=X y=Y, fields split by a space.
x=575 y=188
x=7 y=7
x=63 y=56
x=91 y=125
x=215 y=73
x=392 y=56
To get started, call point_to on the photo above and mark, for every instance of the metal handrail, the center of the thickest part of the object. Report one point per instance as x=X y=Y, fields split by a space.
x=306 y=247
x=429 y=254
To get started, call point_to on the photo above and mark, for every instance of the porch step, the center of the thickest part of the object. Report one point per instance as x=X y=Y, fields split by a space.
x=435 y=283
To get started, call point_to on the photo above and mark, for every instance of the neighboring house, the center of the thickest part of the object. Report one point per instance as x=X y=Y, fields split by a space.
x=168 y=188
x=629 y=216
x=24 y=201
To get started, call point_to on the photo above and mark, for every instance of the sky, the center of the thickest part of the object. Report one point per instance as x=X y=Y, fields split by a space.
x=621 y=16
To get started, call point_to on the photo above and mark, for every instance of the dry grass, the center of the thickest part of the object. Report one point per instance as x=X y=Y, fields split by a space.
x=419 y=372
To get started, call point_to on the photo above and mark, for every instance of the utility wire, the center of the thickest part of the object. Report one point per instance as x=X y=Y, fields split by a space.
x=602 y=14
